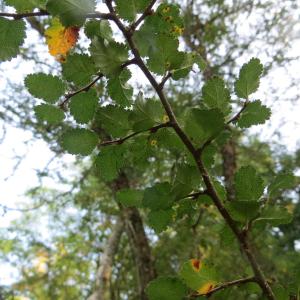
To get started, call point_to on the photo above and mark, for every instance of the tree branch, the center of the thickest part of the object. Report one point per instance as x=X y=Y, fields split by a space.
x=122 y=140
x=146 y=13
x=205 y=176
x=87 y=87
x=18 y=16
x=227 y=285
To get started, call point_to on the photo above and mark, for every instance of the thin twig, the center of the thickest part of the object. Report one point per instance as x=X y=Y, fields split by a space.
x=231 y=283
x=18 y=16
x=237 y=116
x=87 y=87
x=84 y=89
x=227 y=285
x=146 y=13
x=122 y=140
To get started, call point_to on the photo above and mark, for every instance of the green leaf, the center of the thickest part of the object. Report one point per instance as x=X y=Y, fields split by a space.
x=109 y=162
x=99 y=29
x=71 y=12
x=12 y=35
x=130 y=198
x=248 y=81
x=165 y=22
x=208 y=156
x=47 y=87
x=118 y=88
x=243 y=210
x=280 y=183
x=166 y=288
x=108 y=57
x=164 y=56
x=79 y=141
x=202 y=125
x=26 y=6
x=216 y=95
x=158 y=196
x=129 y=9
x=49 y=113
x=248 y=184
x=114 y=120
x=83 y=106
x=275 y=215
x=198 y=275
x=189 y=59
x=186 y=180
x=79 y=68
x=255 y=113
x=159 y=220
x=146 y=113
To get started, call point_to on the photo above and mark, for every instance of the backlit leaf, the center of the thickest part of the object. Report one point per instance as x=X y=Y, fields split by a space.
x=61 y=39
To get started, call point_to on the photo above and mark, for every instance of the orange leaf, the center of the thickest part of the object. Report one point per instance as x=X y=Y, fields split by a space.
x=61 y=39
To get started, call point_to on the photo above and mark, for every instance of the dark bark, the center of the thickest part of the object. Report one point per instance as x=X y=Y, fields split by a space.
x=138 y=240
x=229 y=166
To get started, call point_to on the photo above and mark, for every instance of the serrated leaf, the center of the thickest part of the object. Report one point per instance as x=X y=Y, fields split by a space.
x=49 y=113
x=159 y=220
x=130 y=198
x=199 y=275
x=243 y=211
x=129 y=9
x=208 y=156
x=146 y=113
x=43 y=86
x=109 y=162
x=185 y=181
x=71 y=12
x=216 y=95
x=108 y=57
x=164 y=56
x=114 y=120
x=12 y=35
x=189 y=59
x=280 y=183
x=79 y=141
x=79 y=68
x=158 y=196
x=83 y=106
x=202 y=125
x=248 y=81
x=255 y=113
x=60 y=39
x=101 y=29
x=118 y=88
x=248 y=184
x=166 y=288
x=275 y=215
x=26 y=6
x=165 y=22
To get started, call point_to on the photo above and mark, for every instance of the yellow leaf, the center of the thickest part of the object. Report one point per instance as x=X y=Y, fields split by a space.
x=206 y=288
x=61 y=39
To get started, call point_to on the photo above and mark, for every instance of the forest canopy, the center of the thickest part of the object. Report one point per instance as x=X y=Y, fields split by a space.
x=163 y=187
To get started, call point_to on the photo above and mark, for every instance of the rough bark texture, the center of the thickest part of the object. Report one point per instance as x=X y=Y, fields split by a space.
x=103 y=277
x=229 y=166
x=138 y=239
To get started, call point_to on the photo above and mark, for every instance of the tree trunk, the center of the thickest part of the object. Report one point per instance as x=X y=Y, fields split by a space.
x=138 y=240
x=103 y=277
